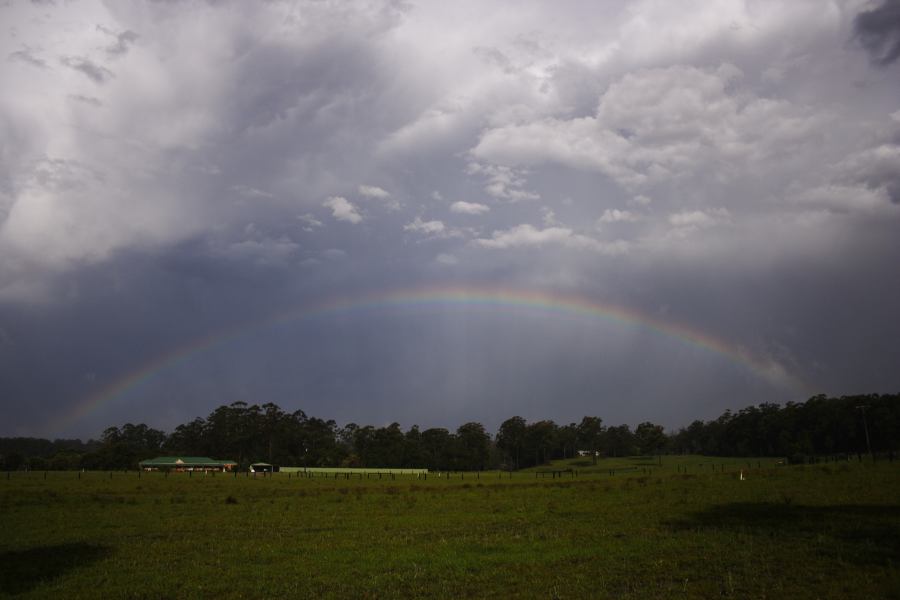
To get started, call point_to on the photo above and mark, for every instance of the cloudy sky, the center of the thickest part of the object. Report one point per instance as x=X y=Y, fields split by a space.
x=175 y=177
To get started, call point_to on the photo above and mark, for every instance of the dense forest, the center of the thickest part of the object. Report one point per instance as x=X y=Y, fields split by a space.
x=248 y=433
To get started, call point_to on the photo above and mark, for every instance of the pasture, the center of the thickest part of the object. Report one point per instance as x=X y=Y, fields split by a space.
x=627 y=528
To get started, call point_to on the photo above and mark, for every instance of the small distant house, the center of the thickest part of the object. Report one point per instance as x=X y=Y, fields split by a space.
x=262 y=468
x=187 y=463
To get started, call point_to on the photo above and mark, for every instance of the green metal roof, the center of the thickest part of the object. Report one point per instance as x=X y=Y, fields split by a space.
x=185 y=461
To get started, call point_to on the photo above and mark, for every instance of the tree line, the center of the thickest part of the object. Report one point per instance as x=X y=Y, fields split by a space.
x=251 y=433
x=819 y=426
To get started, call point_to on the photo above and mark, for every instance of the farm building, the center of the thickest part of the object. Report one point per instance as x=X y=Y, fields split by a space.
x=187 y=463
x=261 y=468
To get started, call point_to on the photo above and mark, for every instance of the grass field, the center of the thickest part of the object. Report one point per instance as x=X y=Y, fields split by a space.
x=678 y=530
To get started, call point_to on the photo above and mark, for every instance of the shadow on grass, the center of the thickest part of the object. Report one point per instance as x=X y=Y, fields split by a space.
x=861 y=533
x=22 y=570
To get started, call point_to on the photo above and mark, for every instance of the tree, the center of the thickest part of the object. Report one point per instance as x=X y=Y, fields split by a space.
x=387 y=447
x=229 y=432
x=511 y=439
x=413 y=453
x=566 y=441
x=13 y=461
x=318 y=444
x=819 y=425
x=540 y=438
x=474 y=446
x=123 y=447
x=437 y=445
x=189 y=438
x=273 y=425
x=590 y=435
x=618 y=441
x=651 y=439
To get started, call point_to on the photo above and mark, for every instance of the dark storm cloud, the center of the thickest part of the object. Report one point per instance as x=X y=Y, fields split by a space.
x=878 y=30
x=886 y=177
x=876 y=168
x=94 y=72
x=86 y=99
x=27 y=56
x=749 y=202
x=123 y=43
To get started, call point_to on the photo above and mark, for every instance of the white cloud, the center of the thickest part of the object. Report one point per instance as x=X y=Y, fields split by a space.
x=334 y=254
x=342 y=209
x=640 y=200
x=548 y=216
x=877 y=167
x=503 y=182
x=251 y=192
x=614 y=215
x=446 y=259
x=433 y=127
x=837 y=198
x=426 y=227
x=371 y=191
x=264 y=251
x=310 y=222
x=529 y=236
x=863 y=182
x=659 y=125
x=700 y=219
x=65 y=212
x=469 y=208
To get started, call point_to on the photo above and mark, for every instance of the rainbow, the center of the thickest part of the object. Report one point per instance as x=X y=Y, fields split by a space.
x=458 y=296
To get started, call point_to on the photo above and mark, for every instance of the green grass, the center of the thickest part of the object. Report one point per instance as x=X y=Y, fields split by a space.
x=659 y=465
x=823 y=531
x=355 y=471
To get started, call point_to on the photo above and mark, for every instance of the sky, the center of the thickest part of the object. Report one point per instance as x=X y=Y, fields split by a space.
x=441 y=212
